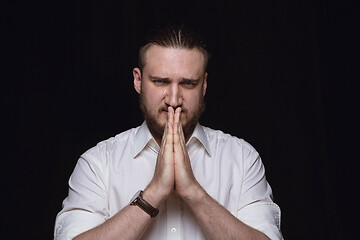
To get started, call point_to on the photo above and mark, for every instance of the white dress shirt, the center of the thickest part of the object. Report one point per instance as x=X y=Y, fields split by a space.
x=108 y=175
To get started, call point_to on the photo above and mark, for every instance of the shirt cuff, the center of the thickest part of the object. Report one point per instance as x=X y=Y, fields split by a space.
x=71 y=224
x=263 y=216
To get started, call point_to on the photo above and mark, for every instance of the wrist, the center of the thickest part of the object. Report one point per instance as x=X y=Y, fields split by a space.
x=194 y=194
x=139 y=201
x=154 y=195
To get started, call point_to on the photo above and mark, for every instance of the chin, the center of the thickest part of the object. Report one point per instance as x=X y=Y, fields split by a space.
x=161 y=121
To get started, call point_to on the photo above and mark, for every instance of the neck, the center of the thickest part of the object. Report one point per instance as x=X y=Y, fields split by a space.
x=158 y=139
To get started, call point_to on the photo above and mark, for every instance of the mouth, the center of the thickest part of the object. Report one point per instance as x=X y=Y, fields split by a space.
x=165 y=110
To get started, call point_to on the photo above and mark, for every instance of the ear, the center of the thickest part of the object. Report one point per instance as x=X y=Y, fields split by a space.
x=204 y=86
x=137 y=79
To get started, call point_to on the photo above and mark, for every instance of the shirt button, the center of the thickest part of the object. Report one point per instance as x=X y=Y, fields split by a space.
x=173 y=230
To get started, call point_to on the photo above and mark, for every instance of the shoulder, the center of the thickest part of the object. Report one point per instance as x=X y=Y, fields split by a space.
x=119 y=142
x=221 y=143
x=224 y=139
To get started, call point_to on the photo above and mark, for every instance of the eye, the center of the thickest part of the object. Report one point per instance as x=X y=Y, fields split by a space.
x=188 y=84
x=159 y=82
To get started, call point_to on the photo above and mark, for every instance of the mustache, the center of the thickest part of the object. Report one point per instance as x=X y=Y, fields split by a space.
x=165 y=108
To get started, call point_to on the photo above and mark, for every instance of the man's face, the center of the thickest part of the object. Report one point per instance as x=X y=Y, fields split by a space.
x=171 y=77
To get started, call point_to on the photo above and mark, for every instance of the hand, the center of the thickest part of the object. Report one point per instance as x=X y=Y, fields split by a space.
x=163 y=180
x=185 y=181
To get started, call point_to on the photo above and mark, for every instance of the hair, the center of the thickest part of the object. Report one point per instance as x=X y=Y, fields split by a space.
x=174 y=36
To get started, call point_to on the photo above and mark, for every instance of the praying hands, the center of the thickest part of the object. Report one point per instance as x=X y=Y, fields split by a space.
x=173 y=168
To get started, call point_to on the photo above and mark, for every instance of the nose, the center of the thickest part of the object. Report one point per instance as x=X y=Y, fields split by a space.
x=173 y=96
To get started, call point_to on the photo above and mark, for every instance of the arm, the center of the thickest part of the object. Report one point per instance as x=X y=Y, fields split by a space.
x=215 y=221
x=121 y=225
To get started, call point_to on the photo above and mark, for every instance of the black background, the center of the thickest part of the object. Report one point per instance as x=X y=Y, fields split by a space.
x=283 y=76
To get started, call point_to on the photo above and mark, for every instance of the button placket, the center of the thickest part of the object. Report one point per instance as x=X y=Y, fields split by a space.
x=173 y=218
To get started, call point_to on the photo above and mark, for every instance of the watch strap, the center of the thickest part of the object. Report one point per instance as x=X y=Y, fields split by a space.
x=145 y=206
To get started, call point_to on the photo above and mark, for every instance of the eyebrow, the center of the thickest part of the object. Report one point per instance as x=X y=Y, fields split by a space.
x=168 y=79
x=191 y=80
x=158 y=78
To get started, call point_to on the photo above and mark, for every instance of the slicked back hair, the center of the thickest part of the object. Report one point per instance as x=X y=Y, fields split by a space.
x=174 y=37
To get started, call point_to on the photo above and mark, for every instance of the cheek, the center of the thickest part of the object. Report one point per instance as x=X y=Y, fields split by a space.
x=193 y=102
x=153 y=100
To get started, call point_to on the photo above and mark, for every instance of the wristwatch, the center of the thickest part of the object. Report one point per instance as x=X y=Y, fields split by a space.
x=144 y=205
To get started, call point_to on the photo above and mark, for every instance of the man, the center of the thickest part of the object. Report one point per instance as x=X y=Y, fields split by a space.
x=194 y=182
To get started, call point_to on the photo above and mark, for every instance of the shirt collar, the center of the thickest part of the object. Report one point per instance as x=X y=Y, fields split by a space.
x=200 y=135
x=143 y=137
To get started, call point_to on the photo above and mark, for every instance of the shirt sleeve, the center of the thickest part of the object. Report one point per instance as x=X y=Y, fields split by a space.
x=86 y=205
x=256 y=207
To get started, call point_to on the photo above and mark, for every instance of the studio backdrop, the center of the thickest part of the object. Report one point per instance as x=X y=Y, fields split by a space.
x=282 y=75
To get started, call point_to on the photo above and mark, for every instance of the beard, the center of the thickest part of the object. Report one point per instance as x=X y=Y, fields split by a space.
x=157 y=129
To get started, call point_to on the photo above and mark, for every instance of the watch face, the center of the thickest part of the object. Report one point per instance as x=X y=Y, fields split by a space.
x=135 y=196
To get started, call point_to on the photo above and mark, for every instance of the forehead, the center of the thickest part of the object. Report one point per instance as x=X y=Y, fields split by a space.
x=169 y=60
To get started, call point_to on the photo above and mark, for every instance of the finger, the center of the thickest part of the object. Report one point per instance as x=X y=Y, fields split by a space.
x=171 y=115
x=177 y=126
x=177 y=116
x=181 y=134
x=170 y=130
x=170 y=122
x=182 y=141
x=163 y=139
x=177 y=121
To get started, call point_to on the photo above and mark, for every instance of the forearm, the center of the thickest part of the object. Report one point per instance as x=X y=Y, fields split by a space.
x=129 y=223
x=217 y=222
